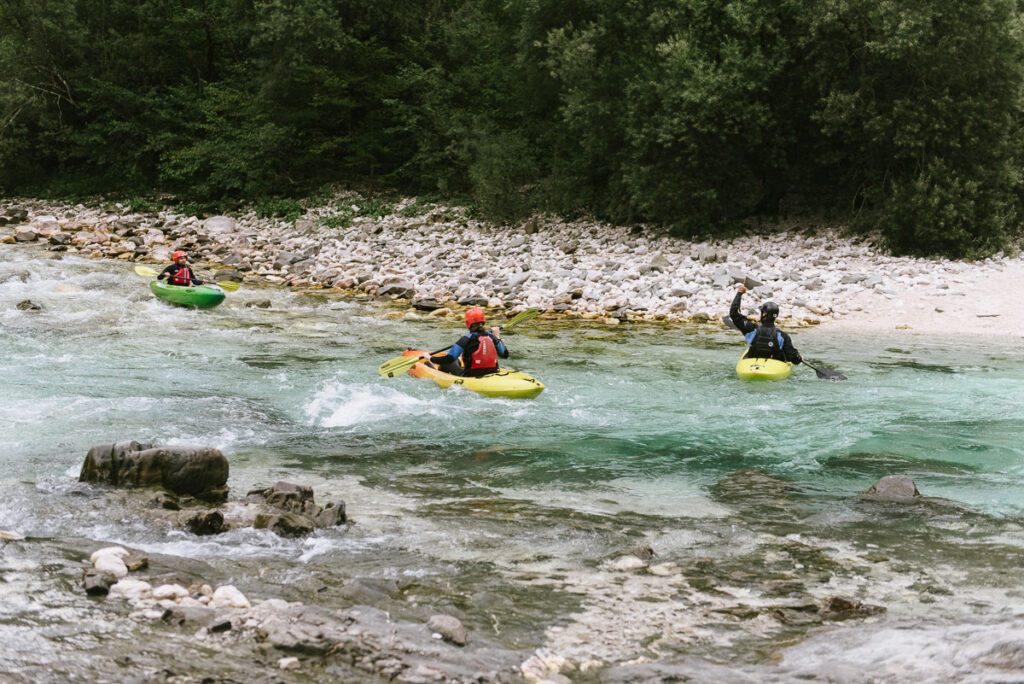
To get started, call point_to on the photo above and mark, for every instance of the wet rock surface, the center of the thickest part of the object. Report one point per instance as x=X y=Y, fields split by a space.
x=745 y=589
x=294 y=512
x=196 y=471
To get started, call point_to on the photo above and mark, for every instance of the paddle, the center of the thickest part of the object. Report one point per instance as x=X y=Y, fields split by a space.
x=226 y=285
x=823 y=373
x=400 y=364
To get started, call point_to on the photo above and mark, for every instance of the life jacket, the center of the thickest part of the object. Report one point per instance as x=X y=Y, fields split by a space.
x=485 y=356
x=765 y=343
x=183 y=276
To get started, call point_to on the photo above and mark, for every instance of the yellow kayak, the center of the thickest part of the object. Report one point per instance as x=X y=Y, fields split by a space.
x=506 y=382
x=763 y=369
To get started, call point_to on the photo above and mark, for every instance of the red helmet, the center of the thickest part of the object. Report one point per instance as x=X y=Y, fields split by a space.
x=474 y=315
x=177 y=255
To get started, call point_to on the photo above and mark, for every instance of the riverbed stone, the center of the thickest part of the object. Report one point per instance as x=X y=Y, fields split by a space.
x=284 y=524
x=450 y=628
x=28 y=305
x=192 y=616
x=426 y=304
x=402 y=289
x=219 y=225
x=198 y=471
x=893 y=488
x=206 y=523
x=301 y=514
x=229 y=275
x=97 y=582
x=130 y=590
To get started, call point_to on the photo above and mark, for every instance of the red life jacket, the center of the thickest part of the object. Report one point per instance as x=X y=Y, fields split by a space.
x=486 y=355
x=183 y=276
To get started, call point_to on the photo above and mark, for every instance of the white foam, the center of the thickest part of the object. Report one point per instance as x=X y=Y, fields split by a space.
x=342 y=404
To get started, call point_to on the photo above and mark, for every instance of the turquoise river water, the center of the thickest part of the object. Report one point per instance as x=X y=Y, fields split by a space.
x=516 y=511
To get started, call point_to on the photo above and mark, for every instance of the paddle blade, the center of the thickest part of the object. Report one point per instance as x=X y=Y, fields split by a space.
x=145 y=271
x=826 y=373
x=397 y=366
x=521 y=317
x=228 y=285
x=829 y=374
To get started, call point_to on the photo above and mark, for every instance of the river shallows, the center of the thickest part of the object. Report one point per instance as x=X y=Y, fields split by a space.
x=514 y=513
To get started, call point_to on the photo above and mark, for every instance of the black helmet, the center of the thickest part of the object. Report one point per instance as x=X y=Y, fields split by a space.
x=769 y=311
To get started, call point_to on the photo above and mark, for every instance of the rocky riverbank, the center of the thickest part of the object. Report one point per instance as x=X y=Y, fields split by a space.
x=438 y=259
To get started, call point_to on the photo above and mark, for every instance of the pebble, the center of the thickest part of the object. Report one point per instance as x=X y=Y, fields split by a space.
x=290 y=663
x=130 y=590
x=228 y=596
x=170 y=591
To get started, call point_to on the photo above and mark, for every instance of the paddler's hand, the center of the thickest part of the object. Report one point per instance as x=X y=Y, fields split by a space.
x=741 y=289
x=496 y=331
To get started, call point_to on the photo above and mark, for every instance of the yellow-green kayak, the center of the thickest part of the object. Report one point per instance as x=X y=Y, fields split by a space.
x=507 y=383
x=198 y=296
x=763 y=369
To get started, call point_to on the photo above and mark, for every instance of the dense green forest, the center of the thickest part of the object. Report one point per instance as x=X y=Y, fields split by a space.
x=897 y=115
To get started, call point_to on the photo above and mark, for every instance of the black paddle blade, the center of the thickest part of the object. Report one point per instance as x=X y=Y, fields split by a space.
x=829 y=374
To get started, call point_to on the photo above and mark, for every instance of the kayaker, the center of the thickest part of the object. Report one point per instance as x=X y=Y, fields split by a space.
x=765 y=340
x=179 y=272
x=479 y=349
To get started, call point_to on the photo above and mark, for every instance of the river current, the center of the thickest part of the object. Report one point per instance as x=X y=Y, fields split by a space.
x=516 y=512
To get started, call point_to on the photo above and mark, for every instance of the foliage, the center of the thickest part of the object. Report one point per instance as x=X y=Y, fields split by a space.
x=898 y=115
x=286 y=208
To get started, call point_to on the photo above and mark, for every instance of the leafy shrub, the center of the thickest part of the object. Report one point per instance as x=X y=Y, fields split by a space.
x=288 y=209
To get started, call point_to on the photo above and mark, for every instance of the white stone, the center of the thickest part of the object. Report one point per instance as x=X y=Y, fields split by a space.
x=289 y=663
x=108 y=551
x=625 y=563
x=170 y=591
x=219 y=225
x=112 y=564
x=130 y=589
x=228 y=596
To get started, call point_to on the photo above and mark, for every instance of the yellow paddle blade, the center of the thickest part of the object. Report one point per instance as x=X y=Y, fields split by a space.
x=145 y=271
x=397 y=366
x=522 y=317
x=228 y=285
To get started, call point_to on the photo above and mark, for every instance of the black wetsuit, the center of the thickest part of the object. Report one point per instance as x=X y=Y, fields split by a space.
x=766 y=342
x=168 y=274
x=465 y=348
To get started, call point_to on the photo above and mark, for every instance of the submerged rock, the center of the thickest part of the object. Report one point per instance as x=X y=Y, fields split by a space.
x=199 y=471
x=28 y=305
x=894 y=488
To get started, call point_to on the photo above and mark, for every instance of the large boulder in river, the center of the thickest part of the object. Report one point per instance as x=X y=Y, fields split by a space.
x=201 y=472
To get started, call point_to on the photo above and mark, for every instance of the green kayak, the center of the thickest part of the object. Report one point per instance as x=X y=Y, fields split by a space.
x=198 y=296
